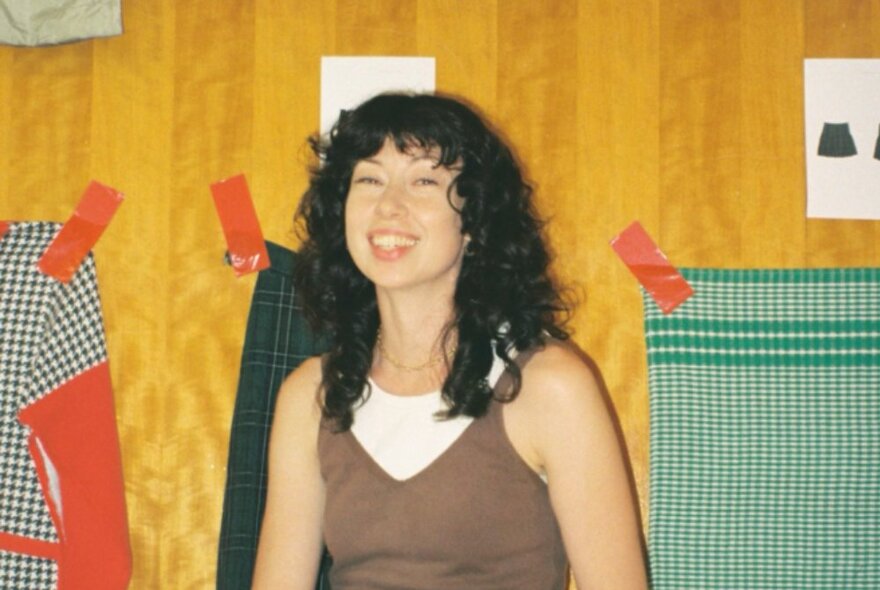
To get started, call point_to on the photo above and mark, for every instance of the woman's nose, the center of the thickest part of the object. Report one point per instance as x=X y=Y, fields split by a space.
x=391 y=202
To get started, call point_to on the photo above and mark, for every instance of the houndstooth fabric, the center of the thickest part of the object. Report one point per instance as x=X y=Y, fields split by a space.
x=49 y=333
x=25 y=572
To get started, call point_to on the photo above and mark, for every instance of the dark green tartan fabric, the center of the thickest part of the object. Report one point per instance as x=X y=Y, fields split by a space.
x=277 y=341
x=765 y=431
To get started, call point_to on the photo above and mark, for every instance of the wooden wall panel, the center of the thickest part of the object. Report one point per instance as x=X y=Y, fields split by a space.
x=212 y=137
x=466 y=49
x=685 y=115
x=6 y=110
x=286 y=101
x=617 y=182
x=772 y=179
x=537 y=56
x=131 y=150
x=700 y=151
x=50 y=133
x=842 y=28
x=376 y=27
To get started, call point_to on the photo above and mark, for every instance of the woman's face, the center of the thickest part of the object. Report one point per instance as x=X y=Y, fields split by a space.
x=400 y=228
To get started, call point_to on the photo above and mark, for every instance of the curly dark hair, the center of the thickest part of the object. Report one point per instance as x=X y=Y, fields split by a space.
x=504 y=295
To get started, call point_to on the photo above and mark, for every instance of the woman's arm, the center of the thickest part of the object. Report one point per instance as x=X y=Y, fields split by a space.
x=290 y=545
x=574 y=440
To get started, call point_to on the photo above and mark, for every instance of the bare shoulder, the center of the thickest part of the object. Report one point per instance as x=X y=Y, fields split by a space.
x=568 y=428
x=560 y=395
x=299 y=396
x=559 y=378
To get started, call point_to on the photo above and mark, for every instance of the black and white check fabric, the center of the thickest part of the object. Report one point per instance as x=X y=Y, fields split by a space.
x=49 y=333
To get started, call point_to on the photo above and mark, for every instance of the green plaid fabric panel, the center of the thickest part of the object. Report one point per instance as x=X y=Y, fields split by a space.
x=765 y=431
x=277 y=340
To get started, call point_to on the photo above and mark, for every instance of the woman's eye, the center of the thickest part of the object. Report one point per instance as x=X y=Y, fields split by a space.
x=366 y=180
x=426 y=181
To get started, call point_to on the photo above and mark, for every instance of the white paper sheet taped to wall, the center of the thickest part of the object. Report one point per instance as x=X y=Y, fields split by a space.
x=48 y=22
x=347 y=81
x=841 y=118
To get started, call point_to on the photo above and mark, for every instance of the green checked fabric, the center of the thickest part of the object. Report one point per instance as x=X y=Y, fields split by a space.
x=765 y=432
x=277 y=341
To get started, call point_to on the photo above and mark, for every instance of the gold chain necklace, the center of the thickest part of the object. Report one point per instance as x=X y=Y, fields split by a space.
x=432 y=360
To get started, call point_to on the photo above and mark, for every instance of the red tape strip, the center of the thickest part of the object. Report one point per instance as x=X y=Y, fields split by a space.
x=651 y=267
x=244 y=238
x=28 y=546
x=81 y=232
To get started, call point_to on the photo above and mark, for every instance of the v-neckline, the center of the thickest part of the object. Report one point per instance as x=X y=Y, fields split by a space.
x=356 y=447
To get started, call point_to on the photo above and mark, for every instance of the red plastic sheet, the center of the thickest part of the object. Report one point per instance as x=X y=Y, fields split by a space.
x=76 y=237
x=244 y=238
x=75 y=446
x=651 y=267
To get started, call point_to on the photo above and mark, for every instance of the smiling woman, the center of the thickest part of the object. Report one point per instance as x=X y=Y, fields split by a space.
x=450 y=438
x=401 y=227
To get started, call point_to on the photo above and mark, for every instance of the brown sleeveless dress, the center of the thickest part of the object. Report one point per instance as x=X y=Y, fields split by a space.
x=477 y=518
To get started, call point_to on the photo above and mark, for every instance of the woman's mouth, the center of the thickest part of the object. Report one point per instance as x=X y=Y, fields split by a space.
x=392 y=241
x=390 y=246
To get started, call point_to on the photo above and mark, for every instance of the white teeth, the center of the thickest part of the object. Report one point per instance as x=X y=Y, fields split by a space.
x=389 y=241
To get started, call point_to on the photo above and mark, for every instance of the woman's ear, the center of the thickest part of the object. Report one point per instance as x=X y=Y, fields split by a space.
x=468 y=245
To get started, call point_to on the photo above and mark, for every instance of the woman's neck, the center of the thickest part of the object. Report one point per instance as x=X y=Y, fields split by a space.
x=414 y=345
